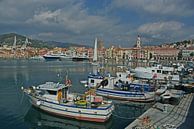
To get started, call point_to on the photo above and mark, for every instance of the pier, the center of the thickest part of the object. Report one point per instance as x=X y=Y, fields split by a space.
x=159 y=116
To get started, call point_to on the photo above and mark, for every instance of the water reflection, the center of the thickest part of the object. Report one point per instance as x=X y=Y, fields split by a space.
x=129 y=110
x=39 y=119
x=124 y=113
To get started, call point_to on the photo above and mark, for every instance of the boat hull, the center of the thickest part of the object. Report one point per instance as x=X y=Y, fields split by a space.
x=80 y=59
x=94 y=115
x=51 y=58
x=127 y=95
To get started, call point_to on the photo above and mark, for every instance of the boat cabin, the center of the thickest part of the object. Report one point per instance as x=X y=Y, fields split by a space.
x=53 y=91
x=163 y=70
x=94 y=80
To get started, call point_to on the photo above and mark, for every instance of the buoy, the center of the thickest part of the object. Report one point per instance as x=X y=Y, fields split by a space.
x=38 y=103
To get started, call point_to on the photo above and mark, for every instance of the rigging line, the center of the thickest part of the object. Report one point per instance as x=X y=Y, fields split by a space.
x=21 y=100
x=123 y=117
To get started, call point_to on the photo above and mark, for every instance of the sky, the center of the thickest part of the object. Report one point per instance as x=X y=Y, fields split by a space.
x=116 y=22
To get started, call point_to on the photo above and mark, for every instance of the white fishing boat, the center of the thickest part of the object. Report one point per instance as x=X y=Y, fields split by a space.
x=166 y=96
x=55 y=98
x=158 y=72
x=121 y=88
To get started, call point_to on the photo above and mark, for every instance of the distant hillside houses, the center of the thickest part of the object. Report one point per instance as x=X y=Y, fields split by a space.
x=188 y=53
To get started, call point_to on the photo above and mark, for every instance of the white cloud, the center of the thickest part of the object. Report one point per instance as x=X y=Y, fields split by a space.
x=168 y=31
x=45 y=34
x=74 y=21
x=45 y=17
x=162 y=7
x=160 y=27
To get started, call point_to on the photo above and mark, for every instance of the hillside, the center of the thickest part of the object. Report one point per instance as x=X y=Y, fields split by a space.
x=8 y=39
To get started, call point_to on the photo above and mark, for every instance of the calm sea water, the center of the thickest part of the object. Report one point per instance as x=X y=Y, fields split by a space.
x=17 y=113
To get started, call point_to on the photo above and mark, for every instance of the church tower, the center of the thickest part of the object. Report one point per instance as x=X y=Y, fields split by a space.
x=138 y=42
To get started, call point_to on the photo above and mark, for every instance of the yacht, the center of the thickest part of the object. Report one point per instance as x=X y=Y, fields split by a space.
x=52 y=56
x=158 y=72
x=56 y=56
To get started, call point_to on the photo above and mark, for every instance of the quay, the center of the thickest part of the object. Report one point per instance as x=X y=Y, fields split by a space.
x=159 y=116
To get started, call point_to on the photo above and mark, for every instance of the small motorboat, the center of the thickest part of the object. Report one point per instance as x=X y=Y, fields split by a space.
x=166 y=96
x=161 y=90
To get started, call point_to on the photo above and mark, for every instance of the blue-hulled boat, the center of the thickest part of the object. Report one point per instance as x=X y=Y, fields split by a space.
x=121 y=87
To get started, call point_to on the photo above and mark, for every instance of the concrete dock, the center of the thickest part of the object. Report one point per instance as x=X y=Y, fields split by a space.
x=161 y=115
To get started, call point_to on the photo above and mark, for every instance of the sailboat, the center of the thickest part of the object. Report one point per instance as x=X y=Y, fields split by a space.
x=95 y=57
x=25 y=44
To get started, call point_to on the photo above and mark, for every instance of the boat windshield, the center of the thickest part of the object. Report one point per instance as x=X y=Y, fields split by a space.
x=51 y=92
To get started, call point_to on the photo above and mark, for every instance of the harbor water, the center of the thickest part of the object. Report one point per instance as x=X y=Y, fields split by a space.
x=17 y=112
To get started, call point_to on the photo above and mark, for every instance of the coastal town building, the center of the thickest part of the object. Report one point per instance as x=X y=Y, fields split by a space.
x=111 y=53
x=139 y=52
x=165 y=53
x=188 y=53
x=100 y=49
x=127 y=54
x=183 y=50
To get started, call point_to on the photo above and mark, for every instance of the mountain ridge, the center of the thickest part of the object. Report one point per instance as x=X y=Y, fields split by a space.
x=8 y=39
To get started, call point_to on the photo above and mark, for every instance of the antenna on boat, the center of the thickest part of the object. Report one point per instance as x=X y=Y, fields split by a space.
x=66 y=76
x=67 y=81
x=59 y=76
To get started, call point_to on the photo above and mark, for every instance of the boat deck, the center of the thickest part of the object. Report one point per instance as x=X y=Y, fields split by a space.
x=73 y=104
x=163 y=114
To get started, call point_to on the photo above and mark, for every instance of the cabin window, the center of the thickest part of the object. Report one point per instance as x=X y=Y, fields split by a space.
x=52 y=92
x=119 y=75
x=153 y=71
x=158 y=71
x=164 y=72
x=92 y=81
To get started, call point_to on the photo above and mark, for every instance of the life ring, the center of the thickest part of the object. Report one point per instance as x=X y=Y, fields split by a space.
x=38 y=103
